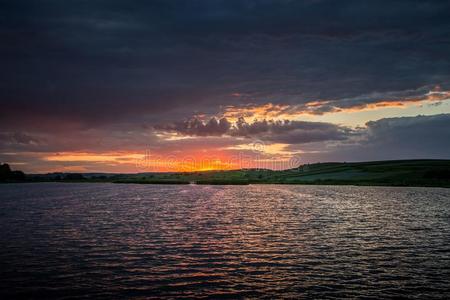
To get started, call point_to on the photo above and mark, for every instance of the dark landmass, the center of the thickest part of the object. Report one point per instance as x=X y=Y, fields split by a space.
x=150 y=181
x=224 y=182
x=7 y=175
x=433 y=173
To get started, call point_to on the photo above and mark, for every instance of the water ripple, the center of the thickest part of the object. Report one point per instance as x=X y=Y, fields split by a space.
x=71 y=241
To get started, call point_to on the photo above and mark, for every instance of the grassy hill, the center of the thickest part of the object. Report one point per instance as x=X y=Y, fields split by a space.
x=395 y=173
x=387 y=173
x=391 y=173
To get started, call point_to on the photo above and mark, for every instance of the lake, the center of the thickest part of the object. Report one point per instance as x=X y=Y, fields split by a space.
x=190 y=241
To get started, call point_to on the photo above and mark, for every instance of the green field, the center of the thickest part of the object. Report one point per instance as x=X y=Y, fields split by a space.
x=385 y=173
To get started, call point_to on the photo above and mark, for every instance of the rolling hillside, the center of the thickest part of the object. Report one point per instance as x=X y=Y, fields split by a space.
x=392 y=173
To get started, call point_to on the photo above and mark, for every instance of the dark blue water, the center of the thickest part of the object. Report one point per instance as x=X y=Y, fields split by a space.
x=259 y=241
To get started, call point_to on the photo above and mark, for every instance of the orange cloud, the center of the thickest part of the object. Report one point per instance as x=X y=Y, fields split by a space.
x=430 y=97
x=320 y=107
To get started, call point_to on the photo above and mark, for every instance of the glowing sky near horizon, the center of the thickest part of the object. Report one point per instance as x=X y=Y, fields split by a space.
x=114 y=86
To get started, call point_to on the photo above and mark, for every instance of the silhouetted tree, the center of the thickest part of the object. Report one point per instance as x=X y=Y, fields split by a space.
x=7 y=175
x=5 y=171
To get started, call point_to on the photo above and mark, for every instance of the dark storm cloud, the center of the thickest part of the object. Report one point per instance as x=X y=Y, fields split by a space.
x=95 y=140
x=280 y=131
x=419 y=136
x=298 y=132
x=196 y=127
x=290 y=132
x=389 y=138
x=18 y=138
x=90 y=63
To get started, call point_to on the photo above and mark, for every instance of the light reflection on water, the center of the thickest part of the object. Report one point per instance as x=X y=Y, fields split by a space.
x=140 y=241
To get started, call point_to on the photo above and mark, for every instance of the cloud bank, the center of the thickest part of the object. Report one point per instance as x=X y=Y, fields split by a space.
x=117 y=76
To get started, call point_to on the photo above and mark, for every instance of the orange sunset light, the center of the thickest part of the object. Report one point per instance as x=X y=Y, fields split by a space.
x=145 y=162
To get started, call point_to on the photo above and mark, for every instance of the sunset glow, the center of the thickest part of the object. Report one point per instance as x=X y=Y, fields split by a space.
x=239 y=149
x=220 y=87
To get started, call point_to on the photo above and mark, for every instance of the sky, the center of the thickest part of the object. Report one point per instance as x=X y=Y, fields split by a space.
x=142 y=86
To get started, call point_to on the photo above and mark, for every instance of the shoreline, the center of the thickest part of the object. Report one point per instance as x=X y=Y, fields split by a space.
x=414 y=173
x=445 y=186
